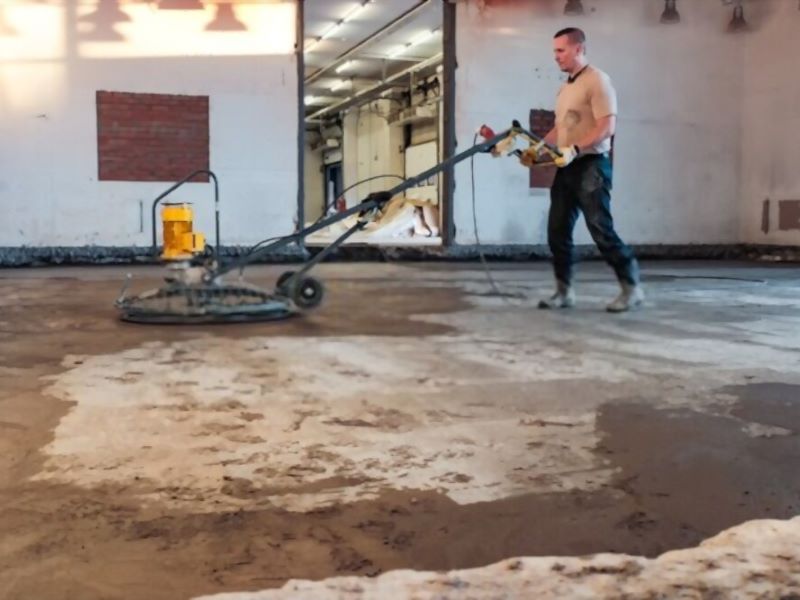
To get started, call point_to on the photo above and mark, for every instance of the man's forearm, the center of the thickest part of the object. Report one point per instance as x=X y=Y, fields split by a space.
x=599 y=133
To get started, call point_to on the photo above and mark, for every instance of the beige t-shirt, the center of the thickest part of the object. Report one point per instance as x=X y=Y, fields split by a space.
x=579 y=104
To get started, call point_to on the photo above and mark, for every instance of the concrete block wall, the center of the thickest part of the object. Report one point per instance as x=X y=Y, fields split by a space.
x=705 y=151
x=51 y=68
x=678 y=175
x=770 y=151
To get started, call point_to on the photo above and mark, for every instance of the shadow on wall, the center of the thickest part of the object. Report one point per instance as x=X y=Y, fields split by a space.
x=137 y=29
x=104 y=19
x=743 y=16
x=56 y=55
x=544 y=8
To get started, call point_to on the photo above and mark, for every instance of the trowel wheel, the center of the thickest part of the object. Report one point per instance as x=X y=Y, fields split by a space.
x=280 y=285
x=308 y=292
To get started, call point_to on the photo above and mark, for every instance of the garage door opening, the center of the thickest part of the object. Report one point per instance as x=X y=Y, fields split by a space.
x=374 y=115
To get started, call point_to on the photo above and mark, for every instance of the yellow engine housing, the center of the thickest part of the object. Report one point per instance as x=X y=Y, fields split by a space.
x=180 y=241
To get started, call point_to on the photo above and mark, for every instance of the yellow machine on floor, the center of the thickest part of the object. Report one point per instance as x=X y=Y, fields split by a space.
x=180 y=241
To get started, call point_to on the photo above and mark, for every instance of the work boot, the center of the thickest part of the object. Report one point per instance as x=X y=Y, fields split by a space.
x=630 y=297
x=564 y=297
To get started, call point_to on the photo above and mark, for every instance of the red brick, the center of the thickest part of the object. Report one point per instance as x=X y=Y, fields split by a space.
x=541 y=122
x=151 y=137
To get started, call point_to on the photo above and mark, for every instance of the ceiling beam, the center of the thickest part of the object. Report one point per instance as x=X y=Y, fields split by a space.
x=370 y=92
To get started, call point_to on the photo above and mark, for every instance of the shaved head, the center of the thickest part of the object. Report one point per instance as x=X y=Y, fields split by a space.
x=573 y=34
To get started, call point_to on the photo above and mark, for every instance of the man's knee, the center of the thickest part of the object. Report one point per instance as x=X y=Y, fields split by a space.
x=602 y=231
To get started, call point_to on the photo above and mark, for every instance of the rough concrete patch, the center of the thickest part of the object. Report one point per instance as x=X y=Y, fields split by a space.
x=371 y=412
x=765 y=431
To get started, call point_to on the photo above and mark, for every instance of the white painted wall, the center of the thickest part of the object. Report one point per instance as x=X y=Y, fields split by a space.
x=49 y=191
x=771 y=119
x=677 y=163
x=707 y=129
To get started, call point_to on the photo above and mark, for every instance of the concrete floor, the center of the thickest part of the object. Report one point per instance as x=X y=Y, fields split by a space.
x=414 y=421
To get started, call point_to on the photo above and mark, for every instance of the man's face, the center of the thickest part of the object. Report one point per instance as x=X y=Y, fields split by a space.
x=566 y=53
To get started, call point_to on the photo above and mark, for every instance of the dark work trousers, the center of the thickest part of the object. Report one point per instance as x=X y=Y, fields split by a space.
x=585 y=185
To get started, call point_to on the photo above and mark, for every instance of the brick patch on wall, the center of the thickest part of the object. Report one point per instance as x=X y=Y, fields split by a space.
x=151 y=137
x=542 y=121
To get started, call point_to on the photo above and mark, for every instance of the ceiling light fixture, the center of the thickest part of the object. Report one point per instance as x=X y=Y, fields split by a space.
x=670 y=14
x=107 y=12
x=345 y=65
x=180 y=5
x=737 y=20
x=335 y=27
x=104 y=19
x=356 y=11
x=225 y=19
x=396 y=51
x=573 y=8
x=415 y=41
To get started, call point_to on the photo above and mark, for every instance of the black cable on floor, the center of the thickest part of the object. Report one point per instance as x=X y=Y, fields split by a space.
x=495 y=289
x=357 y=183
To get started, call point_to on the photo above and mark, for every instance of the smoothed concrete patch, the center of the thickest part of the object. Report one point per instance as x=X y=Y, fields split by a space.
x=758 y=559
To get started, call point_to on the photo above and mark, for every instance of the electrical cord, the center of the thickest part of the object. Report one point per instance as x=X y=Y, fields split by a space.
x=356 y=184
x=256 y=246
x=495 y=289
x=493 y=284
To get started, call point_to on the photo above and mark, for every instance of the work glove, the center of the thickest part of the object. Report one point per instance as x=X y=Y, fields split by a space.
x=529 y=156
x=568 y=154
x=502 y=147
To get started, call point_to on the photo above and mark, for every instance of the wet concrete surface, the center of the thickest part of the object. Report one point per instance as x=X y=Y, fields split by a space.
x=683 y=450
x=693 y=475
x=774 y=404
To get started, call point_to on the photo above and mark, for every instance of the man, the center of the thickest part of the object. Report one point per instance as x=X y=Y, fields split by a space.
x=586 y=113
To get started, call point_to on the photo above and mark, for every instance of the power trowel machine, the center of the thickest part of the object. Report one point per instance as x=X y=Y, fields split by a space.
x=196 y=290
